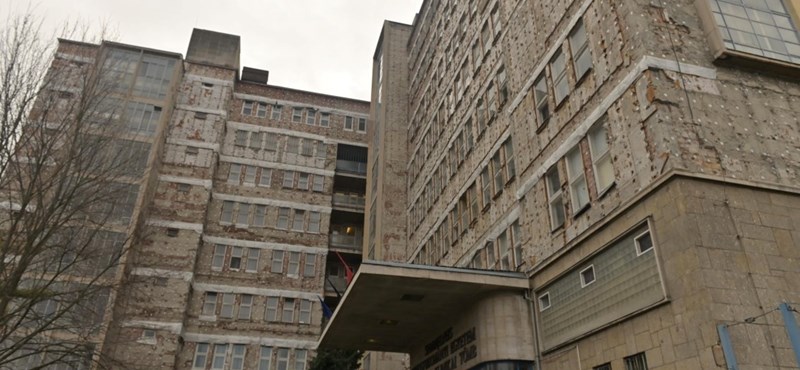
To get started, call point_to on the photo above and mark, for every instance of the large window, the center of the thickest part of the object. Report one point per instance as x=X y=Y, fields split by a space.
x=579 y=44
x=760 y=27
x=601 y=158
x=578 y=190
x=555 y=198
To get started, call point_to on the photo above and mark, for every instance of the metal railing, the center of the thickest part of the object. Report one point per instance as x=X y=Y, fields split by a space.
x=347 y=241
x=351 y=167
x=349 y=200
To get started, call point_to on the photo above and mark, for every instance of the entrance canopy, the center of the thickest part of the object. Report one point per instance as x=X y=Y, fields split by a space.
x=392 y=307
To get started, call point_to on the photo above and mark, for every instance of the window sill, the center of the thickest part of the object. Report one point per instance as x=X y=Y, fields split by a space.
x=207 y=318
x=582 y=78
x=602 y=193
x=581 y=210
x=542 y=125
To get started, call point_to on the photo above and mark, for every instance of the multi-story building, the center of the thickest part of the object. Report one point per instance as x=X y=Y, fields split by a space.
x=588 y=184
x=247 y=203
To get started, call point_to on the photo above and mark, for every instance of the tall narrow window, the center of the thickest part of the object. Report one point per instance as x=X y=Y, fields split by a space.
x=302 y=181
x=276 y=112
x=300 y=359
x=499 y=178
x=294 y=264
x=310 y=267
x=288 y=179
x=210 y=304
x=305 y=311
x=579 y=44
x=505 y=254
x=250 y=175
x=245 y=307
x=311 y=117
x=508 y=156
x=218 y=260
x=299 y=220
x=348 y=123
x=555 y=198
x=558 y=69
x=322 y=150
x=283 y=218
x=282 y=359
x=277 y=262
x=325 y=119
x=579 y=192
x=486 y=181
x=236 y=258
x=271 y=311
x=237 y=357
x=260 y=215
x=362 y=125
x=297 y=115
x=243 y=213
x=228 y=300
x=540 y=96
x=200 y=356
x=287 y=314
x=265 y=358
x=314 y=222
x=256 y=140
x=227 y=211
x=271 y=142
x=241 y=138
x=234 y=174
x=247 y=108
x=307 y=148
x=319 y=183
x=601 y=158
x=252 y=260
x=266 y=177
x=261 y=110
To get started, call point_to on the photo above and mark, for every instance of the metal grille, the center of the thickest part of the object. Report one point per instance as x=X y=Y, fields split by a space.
x=636 y=362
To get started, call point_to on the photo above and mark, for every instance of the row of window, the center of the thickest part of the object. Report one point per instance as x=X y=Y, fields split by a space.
x=595 y=148
x=269 y=141
x=234 y=357
x=643 y=244
x=240 y=307
x=558 y=82
x=493 y=178
x=635 y=362
x=240 y=174
x=309 y=116
x=255 y=215
x=231 y=258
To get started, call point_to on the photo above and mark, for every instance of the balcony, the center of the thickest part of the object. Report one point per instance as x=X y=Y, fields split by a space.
x=347 y=237
x=352 y=201
x=356 y=168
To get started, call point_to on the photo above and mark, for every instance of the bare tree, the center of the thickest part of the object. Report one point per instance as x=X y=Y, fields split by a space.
x=68 y=174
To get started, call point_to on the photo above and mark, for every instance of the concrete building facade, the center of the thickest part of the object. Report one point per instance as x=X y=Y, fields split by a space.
x=636 y=161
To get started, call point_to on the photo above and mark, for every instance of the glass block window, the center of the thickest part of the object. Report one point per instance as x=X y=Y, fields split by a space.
x=760 y=27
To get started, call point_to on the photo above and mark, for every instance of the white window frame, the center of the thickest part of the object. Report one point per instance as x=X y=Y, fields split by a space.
x=597 y=158
x=300 y=364
x=325 y=119
x=293 y=267
x=198 y=354
x=276 y=261
x=559 y=75
x=576 y=179
x=245 y=308
x=260 y=215
x=299 y=220
x=581 y=50
x=544 y=301
x=228 y=303
x=311 y=117
x=218 y=258
x=238 y=354
x=236 y=252
x=297 y=115
x=305 y=311
x=636 y=239
x=349 y=123
x=253 y=256
x=235 y=174
x=555 y=198
x=287 y=310
x=310 y=265
x=223 y=354
x=265 y=358
x=210 y=304
x=271 y=309
x=276 y=112
x=314 y=222
x=265 y=177
x=288 y=179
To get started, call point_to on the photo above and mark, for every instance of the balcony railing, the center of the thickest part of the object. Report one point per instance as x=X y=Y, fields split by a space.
x=358 y=168
x=337 y=282
x=349 y=200
x=352 y=242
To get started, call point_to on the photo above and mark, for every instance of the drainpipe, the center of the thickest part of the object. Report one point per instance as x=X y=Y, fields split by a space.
x=529 y=297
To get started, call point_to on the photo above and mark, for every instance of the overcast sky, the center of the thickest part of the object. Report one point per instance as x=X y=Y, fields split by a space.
x=324 y=46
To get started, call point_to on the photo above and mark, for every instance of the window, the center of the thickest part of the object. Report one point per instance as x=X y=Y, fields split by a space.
x=288 y=179
x=486 y=37
x=297 y=115
x=265 y=179
x=636 y=362
x=302 y=181
x=241 y=138
x=277 y=262
x=579 y=44
x=236 y=258
x=541 y=100
x=499 y=178
x=474 y=202
x=242 y=215
x=293 y=145
x=300 y=359
x=271 y=312
x=250 y=175
x=210 y=304
x=237 y=357
x=762 y=28
x=294 y=264
x=477 y=55
x=587 y=276
x=502 y=86
x=362 y=125
x=200 y=356
x=287 y=314
x=555 y=199
x=245 y=307
x=558 y=69
x=324 y=119
x=283 y=359
x=486 y=181
x=265 y=358
x=601 y=158
x=544 y=301
x=348 y=123
x=310 y=267
x=220 y=352
x=314 y=221
x=261 y=110
x=260 y=215
x=247 y=108
x=305 y=311
x=469 y=139
x=219 y=257
x=508 y=157
x=252 y=259
x=271 y=143
x=579 y=192
x=319 y=183
x=299 y=220
x=606 y=366
x=234 y=174
x=505 y=252
x=228 y=300
x=184 y=188
x=322 y=150
x=227 y=211
x=516 y=235
x=644 y=243
x=256 y=140
x=311 y=117
x=276 y=112
x=496 y=20
x=172 y=232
